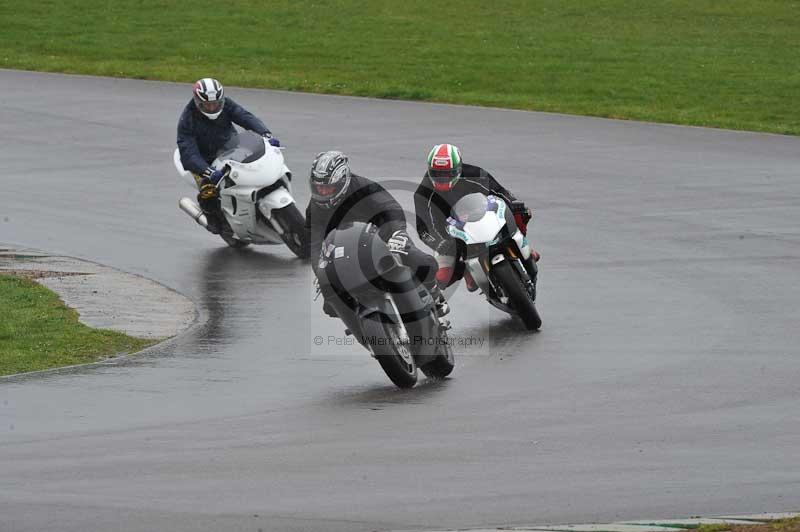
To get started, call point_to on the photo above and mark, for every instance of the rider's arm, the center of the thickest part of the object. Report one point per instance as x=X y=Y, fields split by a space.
x=191 y=159
x=314 y=233
x=424 y=216
x=431 y=213
x=389 y=215
x=522 y=214
x=390 y=223
x=244 y=118
x=497 y=189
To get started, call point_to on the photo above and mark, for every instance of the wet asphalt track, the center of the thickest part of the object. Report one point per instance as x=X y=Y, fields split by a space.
x=665 y=380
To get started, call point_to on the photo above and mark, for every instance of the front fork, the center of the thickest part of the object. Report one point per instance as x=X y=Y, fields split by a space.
x=277 y=199
x=523 y=253
x=517 y=257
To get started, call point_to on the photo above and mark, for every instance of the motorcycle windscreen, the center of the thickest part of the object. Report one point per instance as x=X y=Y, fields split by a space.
x=244 y=147
x=470 y=208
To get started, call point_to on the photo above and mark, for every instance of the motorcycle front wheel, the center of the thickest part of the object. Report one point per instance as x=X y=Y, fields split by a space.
x=392 y=353
x=519 y=298
x=293 y=224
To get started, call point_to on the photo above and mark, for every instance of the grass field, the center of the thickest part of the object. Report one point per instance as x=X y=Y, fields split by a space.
x=38 y=331
x=732 y=64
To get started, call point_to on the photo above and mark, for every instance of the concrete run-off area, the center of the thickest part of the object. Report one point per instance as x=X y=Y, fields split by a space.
x=105 y=298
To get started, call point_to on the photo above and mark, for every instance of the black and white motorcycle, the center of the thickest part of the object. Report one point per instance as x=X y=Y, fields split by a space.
x=255 y=194
x=495 y=252
x=383 y=305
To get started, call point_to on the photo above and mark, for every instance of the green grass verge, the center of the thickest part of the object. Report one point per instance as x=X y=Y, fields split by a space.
x=732 y=64
x=38 y=331
x=780 y=525
x=713 y=528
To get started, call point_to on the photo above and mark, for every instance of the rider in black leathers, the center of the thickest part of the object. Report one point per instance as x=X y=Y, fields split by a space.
x=448 y=180
x=339 y=196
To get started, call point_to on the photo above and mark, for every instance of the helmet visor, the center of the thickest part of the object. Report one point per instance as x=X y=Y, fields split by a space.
x=210 y=107
x=326 y=191
x=444 y=180
x=444 y=175
x=329 y=194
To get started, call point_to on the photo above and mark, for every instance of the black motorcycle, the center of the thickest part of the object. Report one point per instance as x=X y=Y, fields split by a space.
x=383 y=305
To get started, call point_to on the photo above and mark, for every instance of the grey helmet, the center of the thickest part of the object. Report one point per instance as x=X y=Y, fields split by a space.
x=329 y=179
x=209 y=97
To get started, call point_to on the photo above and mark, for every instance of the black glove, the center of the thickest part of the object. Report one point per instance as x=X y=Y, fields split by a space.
x=447 y=248
x=521 y=212
x=428 y=238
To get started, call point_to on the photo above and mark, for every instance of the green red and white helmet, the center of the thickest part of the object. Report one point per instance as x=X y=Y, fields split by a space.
x=209 y=97
x=444 y=166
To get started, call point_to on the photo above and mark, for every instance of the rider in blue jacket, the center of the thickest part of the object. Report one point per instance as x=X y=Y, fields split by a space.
x=204 y=128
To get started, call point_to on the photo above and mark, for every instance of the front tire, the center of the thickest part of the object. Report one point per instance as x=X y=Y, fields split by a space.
x=293 y=224
x=393 y=355
x=518 y=296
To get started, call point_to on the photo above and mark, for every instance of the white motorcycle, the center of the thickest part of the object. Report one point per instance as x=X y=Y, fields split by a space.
x=255 y=194
x=494 y=251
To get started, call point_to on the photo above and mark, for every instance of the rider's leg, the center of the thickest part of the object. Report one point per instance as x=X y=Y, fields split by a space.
x=213 y=211
x=446 y=259
x=425 y=270
x=210 y=204
x=423 y=265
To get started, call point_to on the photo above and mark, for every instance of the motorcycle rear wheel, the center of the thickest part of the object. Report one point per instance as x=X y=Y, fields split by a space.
x=226 y=234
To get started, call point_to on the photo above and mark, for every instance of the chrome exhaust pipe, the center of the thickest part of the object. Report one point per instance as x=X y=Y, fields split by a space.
x=194 y=211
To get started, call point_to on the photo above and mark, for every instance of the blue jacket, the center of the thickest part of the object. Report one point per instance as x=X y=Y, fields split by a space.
x=200 y=138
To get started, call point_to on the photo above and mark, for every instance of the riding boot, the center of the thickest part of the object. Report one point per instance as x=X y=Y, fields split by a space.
x=442 y=308
x=213 y=212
